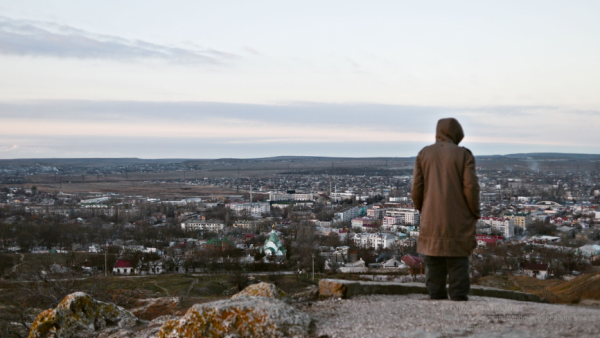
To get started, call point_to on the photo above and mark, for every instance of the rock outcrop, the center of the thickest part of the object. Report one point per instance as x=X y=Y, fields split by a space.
x=77 y=314
x=262 y=290
x=257 y=311
x=151 y=308
x=243 y=316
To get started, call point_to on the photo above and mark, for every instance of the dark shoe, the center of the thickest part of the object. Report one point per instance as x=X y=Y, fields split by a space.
x=438 y=298
x=460 y=299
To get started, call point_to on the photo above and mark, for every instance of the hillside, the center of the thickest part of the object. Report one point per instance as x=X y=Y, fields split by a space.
x=556 y=291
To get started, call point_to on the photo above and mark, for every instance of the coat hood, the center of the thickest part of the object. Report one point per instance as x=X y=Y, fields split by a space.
x=449 y=130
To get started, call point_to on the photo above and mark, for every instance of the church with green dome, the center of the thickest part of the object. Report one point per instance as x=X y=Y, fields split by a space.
x=273 y=246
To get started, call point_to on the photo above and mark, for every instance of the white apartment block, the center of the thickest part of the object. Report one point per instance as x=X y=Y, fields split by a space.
x=324 y=223
x=398 y=199
x=254 y=208
x=348 y=214
x=340 y=196
x=391 y=222
x=376 y=213
x=407 y=216
x=245 y=224
x=504 y=225
x=377 y=241
x=203 y=225
x=275 y=197
x=363 y=224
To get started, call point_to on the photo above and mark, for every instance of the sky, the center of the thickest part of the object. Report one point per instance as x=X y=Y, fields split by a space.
x=247 y=79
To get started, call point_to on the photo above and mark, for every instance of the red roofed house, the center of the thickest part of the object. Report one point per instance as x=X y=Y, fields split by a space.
x=485 y=242
x=559 y=220
x=415 y=264
x=123 y=267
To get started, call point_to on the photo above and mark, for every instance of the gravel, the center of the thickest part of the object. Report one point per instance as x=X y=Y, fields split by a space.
x=416 y=316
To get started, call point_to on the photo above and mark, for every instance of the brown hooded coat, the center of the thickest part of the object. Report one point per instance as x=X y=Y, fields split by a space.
x=446 y=192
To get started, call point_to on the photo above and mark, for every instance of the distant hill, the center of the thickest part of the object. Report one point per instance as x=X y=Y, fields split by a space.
x=92 y=162
x=556 y=155
x=87 y=162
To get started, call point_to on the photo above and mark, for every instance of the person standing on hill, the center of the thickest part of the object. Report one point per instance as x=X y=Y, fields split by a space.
x=446 y=192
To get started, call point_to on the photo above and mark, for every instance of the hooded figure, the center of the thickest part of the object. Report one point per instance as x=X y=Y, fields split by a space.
x=446 y=193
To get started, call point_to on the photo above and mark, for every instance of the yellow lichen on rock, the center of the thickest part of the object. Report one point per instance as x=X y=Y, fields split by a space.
x=44 y=323
x=262 y=290
x=80 y=312
x=240 y=317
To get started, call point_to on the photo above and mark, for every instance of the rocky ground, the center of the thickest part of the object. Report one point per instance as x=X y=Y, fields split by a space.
x=416 y=316
x=263 y=310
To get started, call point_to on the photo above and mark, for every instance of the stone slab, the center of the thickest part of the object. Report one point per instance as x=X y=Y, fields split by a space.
x=348 y=288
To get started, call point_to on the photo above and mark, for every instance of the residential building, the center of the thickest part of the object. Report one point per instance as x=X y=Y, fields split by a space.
x=374 y=240
x=539 y=271
x=255 y=209
x=323 y=223
x=203 y=225
x=394 y=263
x=123 y=267
x=589 y=250
x=414 y=233
x=503 y=225
x=376 y=213
x=275 y=196
x=247 y=225
x=391 y=222
x=522 y=220
x=349 y=213
x=361 y=223
x=407 y=216
x=354 y=267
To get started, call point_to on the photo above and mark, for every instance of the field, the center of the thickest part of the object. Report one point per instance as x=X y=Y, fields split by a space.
x=165 y=191
x=171 y=184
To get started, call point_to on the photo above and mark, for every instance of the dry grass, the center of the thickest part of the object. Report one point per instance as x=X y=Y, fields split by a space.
x=584 y=287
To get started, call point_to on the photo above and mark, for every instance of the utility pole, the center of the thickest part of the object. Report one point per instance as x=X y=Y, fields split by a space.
x=105 y=265
x=313 y=257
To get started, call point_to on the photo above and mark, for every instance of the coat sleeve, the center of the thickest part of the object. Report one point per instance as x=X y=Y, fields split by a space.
x=418 y=185
x=471 y=185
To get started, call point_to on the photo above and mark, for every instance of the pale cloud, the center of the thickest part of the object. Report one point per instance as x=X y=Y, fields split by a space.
x=18 y=149
x=322 y=128
x=251 y=50
x=37 y=38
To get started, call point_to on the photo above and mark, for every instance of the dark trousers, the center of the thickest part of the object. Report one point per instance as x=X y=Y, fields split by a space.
x=457 y=271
